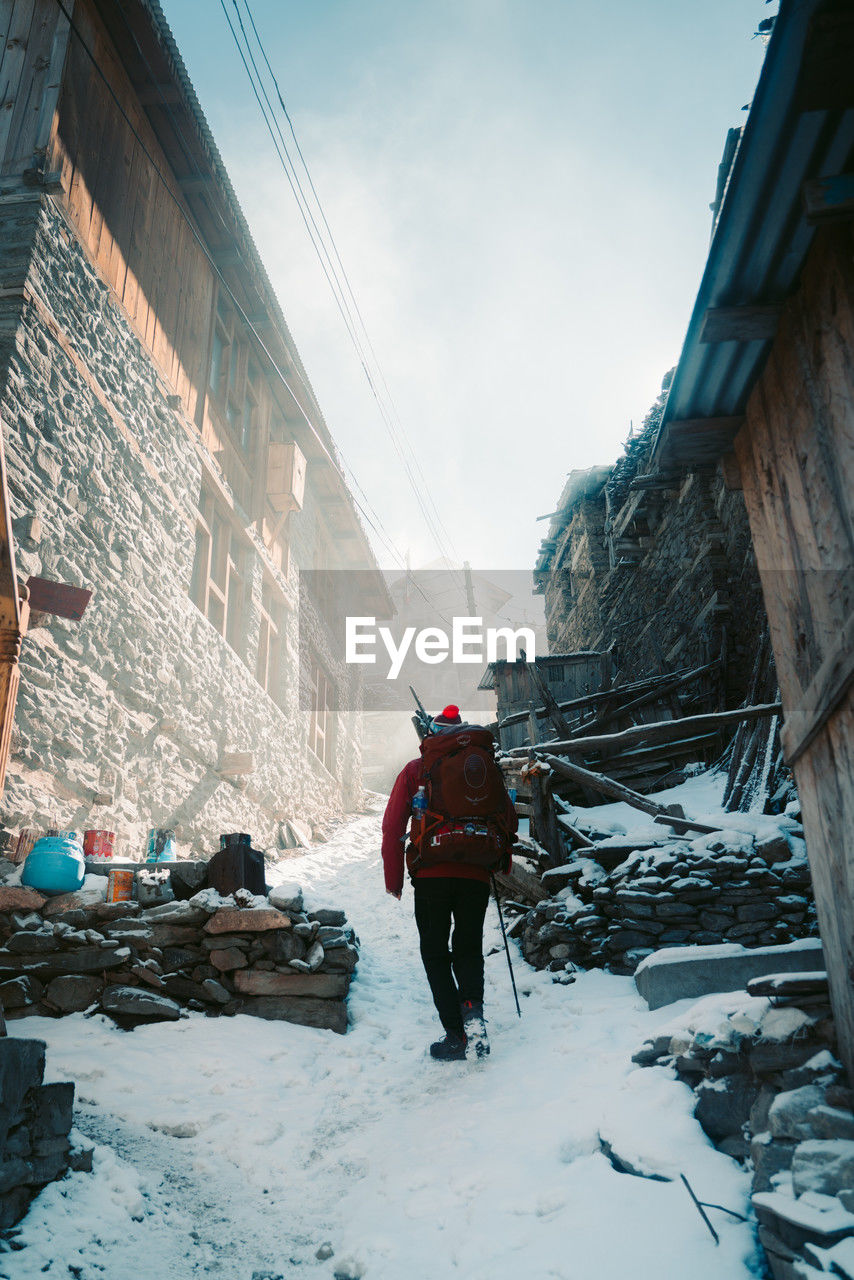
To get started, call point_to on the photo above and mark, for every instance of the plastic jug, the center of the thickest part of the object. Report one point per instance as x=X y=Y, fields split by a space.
x=54 y=865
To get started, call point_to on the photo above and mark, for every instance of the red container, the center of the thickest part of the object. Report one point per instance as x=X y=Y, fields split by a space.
x=98 y=844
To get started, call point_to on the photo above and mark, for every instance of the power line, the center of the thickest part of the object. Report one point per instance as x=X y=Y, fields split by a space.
x=374 y=524
x=343 y=271
x=340 y=286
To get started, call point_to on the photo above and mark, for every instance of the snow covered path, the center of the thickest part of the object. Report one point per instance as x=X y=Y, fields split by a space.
x=237 y=1145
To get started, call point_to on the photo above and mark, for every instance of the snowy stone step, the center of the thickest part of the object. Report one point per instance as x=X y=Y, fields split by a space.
x=679 y=972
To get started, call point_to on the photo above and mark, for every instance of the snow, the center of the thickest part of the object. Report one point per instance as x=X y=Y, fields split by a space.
x=232 y=1145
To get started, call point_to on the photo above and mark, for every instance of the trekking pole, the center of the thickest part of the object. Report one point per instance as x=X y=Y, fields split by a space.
x=506 y=947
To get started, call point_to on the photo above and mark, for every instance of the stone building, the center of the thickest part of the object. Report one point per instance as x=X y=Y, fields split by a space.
x=164 y=449
x=658 y=569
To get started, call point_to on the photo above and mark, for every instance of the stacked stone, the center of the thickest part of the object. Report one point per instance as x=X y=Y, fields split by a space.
x=36 y=1145
x=619 y=902
x=771 y=1093
x=267 y=957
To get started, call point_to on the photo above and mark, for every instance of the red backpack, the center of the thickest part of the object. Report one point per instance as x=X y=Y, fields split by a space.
x=466 y=815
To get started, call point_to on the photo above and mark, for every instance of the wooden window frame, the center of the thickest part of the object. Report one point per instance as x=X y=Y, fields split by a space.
x=235 y=381
x=322 y=716
x=271 y=642
x=219 y=569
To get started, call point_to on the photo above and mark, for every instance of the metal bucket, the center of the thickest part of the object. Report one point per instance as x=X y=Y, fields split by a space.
x=119 y=885
x=98 y=844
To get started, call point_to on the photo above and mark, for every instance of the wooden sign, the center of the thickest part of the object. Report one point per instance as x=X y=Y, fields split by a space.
x=58 y=598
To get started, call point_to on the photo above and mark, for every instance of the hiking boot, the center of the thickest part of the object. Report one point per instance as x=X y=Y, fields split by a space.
x=474 y=1025
x=451 y=1049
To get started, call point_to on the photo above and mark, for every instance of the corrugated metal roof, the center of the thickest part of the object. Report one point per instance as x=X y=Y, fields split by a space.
x=762 y=236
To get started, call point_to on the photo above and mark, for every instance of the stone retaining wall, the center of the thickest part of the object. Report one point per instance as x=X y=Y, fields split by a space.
x=265 y=957
x=772 y=1094
x=36 y=1144
x=616 y=902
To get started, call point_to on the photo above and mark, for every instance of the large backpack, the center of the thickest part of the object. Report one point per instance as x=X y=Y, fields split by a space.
x=466 y=815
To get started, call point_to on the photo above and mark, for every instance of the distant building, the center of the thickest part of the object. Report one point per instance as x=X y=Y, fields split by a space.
x=165 y=449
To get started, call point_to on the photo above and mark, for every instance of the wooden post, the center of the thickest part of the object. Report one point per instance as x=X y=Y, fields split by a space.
x=14 y=615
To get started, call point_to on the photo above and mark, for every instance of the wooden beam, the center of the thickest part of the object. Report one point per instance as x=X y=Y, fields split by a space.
x=657 y=480
x=660 y=730
x=14 y=615
x=608 y=787
x=553 y=711
x=821 y=697
x=731 y=471
x=698 y=440
x=829 y=199
x=754 y=322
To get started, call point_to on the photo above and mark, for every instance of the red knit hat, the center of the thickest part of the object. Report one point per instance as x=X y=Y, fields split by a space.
x=450 y=715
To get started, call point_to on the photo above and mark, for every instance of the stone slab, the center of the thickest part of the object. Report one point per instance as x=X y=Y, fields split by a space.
x=677 y=973
x=83 y=960
x=81 y=900
x=134 y=1002
x=253 y=920
x=21 y=1069
x=228 y=958
x=17 y=897
x=330 y=1015
x=327 y=986
x=72 y=993
x=174 y=935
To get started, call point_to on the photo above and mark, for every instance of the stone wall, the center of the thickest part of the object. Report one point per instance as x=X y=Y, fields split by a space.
x=656 y=572
x=771 y=1093
x=36 y=1146
x=124 y=718
x=263 y=956
x=622 y=898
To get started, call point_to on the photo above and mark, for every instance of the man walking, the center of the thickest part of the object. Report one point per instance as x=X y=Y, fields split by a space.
x=462 y=826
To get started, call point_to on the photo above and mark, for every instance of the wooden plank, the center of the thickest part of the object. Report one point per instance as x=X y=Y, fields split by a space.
x=24 y=125
x=697 y=439
x=608 y=787
x=797 y=457
x=829 y=199
x=12 y=74
x=553 y=711
x=660 y=691
x=821 y=697
x=7 y=9
x=593 y=699
x=754 y=322
x=659 y=730
x=13 y=622
x=53 y=83
x=825 y=777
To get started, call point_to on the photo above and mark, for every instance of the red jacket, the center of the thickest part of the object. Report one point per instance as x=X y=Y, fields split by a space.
x=395 y=821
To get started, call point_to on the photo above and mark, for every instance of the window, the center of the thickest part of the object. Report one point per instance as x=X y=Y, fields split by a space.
x=268 y=668
x=235 y=379
x=556 y=673
x=322 y=721
x=217 y=587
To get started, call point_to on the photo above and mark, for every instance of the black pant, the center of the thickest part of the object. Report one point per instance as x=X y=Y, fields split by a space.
x=454 y=975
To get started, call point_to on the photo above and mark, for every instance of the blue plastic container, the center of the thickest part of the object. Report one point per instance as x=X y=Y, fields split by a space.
x=54 y=865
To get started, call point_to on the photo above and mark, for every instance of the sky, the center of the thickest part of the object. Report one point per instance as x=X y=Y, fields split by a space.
x=519 y=191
